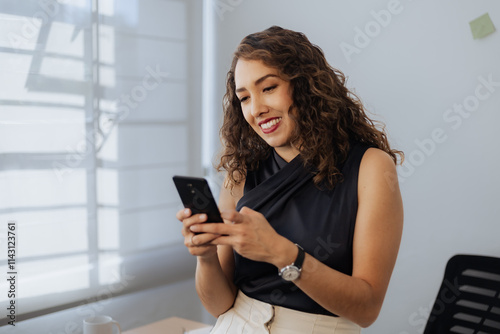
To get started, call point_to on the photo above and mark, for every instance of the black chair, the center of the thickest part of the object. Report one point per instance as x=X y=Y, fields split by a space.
x=468 y=301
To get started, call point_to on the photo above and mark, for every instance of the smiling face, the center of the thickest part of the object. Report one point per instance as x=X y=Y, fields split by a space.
x=265 y=101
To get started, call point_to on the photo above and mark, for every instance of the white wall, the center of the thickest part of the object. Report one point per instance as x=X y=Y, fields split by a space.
x=422 y=63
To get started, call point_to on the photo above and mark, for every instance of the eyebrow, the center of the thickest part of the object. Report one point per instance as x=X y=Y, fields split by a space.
x=258 y=81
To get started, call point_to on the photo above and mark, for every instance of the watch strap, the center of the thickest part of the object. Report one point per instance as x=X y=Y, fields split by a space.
x=299 y=261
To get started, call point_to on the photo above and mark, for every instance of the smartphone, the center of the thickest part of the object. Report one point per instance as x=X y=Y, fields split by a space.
x=196 y=195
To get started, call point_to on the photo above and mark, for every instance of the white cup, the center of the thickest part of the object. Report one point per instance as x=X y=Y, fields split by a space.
x=101 y=324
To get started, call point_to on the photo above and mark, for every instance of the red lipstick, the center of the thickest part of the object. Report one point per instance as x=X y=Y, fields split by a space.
x=273 y=127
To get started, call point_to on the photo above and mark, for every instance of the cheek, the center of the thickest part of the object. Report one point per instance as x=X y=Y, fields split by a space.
x=286 y=99
x=246 y=115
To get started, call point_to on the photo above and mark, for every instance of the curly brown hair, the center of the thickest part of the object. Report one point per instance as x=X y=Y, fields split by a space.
x=328 y=117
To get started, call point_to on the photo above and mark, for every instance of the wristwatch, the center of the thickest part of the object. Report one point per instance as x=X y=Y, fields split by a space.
x=292 y=271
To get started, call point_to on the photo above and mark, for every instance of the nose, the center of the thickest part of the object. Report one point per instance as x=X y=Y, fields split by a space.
x=258 y=106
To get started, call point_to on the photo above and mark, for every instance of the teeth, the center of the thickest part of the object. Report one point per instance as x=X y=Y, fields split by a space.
x=270 y=123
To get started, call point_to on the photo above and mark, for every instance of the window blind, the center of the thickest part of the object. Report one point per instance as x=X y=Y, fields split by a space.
x=94 y=120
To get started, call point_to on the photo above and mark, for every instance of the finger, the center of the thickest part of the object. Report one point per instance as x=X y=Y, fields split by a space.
x=224 y=240
x=194 y=219
x=247 y=211
x=196 y=244
x=202 y=239
x=233 y=216
x=213 y=228
x=183 y=214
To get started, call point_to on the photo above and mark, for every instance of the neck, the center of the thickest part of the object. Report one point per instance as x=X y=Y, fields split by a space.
x=287 y=153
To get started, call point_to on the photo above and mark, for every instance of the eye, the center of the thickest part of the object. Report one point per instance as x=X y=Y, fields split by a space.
x=243 y=99
x=270 y=88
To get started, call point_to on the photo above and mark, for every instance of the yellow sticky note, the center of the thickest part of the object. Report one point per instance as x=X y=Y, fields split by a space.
x=482 y=26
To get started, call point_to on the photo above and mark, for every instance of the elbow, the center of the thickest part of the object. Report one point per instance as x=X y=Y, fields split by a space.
x=368 y=317
x=368 y=308
x=216 y=311
x=365 y=323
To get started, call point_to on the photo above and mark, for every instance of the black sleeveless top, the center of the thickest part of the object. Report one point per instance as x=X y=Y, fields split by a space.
x=321 y=221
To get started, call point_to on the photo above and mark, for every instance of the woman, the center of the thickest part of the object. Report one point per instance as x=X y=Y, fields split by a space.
x=312 y=208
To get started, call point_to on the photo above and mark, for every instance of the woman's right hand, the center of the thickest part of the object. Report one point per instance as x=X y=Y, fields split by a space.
x=197 y=244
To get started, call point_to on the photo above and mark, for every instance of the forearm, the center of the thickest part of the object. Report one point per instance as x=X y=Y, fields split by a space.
x=216 y=293
x=341 y=294
x=346 y=296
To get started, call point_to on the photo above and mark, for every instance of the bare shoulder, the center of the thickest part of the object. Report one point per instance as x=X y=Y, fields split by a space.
x=377 y=170
x=377 y=158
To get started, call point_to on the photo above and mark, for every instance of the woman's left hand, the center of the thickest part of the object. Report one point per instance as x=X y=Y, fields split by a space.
x=250 y=235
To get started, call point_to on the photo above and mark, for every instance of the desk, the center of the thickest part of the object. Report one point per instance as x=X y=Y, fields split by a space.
x=172 y=325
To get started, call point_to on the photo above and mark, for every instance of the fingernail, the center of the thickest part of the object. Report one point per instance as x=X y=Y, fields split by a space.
x=203 y=216
x=186 y=211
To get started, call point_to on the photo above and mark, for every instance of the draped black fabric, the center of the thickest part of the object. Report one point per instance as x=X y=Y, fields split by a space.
x=321 y=221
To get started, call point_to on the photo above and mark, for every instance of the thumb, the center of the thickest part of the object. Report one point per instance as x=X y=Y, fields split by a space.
x=247 y=211
x=232 y=216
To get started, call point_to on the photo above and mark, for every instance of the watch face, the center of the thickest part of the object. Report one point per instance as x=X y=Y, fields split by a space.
x=290 y=273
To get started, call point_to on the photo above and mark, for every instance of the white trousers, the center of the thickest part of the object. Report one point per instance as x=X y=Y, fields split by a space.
x=251 y=316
